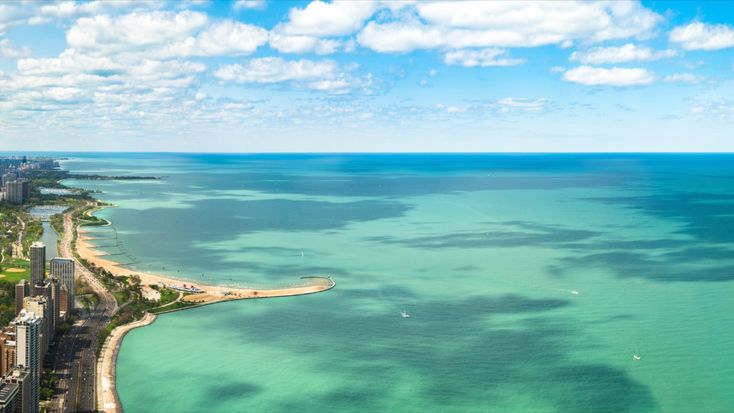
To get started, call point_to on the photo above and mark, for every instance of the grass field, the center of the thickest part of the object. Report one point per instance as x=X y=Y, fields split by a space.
x=10 y=270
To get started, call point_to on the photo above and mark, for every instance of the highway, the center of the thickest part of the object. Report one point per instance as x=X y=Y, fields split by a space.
x=74 y=360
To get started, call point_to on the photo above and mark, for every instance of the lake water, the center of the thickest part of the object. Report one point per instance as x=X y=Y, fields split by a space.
x=49 y=236
x=531 y=281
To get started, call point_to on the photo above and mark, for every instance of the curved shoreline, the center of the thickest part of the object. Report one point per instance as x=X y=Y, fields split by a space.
x=107 y=398
x=209 y=293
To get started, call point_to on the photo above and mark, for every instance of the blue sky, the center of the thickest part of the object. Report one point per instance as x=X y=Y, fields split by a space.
x=272 y=76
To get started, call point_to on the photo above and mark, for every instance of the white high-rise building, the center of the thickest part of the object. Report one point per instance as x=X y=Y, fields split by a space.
x=63 y=269
x=28 y=351
x=38 y=306
x=38 y=264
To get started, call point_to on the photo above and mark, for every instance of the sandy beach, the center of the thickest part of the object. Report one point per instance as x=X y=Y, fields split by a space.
x=210 y=293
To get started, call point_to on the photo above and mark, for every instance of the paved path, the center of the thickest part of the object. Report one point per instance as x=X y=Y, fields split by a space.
x=107 y=399
x=75 y=361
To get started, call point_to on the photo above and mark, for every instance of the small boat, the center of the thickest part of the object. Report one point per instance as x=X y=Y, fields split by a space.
x=301 y=254
x=635 y=357
x=404 y=314
x=574 y=292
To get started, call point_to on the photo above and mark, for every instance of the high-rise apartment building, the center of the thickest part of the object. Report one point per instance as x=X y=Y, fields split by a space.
x=9 y=177
x=38 y=306
x=50 y=291
x=9 y=400
x=63 y=269
x=22 y=377
x=28 y=351
x=25 y=189
x=21 y=291
x=38 y=264
x=7 y=349
x=14 y=192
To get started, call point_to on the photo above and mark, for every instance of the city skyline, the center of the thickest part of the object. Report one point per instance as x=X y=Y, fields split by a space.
x=258 y=76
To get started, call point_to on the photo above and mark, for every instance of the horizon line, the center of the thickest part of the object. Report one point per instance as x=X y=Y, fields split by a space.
x=14 y=152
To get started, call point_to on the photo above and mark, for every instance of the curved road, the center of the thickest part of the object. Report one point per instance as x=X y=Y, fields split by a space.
x=75 y=358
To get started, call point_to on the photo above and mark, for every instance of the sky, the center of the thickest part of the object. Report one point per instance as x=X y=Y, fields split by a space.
x=367 y=76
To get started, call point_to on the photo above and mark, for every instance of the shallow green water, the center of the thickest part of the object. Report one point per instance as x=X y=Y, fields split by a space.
x=530 y=280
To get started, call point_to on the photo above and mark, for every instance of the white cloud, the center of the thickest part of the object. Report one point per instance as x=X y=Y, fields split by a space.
x=9 y=51
x=70 y=9
x=303 y=44
x=276 y=70
x=616 y=76
x=718 y=108
x=9 y=16
x=480 y=58
x=683 y=78
x=456 y=25
x=226 y=37
x=329 y=84
x=323 y=75
x=98 y=82
x=308 y=29
x=248 y=4
x=165 y=35
x=702 y=36
x=319 y=18
x=54 y=94
x=620 y=54
x=524 y=104
x=68 y=62
x=137 y=30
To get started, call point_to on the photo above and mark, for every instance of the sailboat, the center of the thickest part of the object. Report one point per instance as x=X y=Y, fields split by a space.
x=404 y=314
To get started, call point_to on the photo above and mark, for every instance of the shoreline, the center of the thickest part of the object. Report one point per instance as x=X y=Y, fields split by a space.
x=107 y=397
x=210 y=293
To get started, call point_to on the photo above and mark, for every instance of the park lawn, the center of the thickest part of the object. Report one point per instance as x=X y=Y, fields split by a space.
x=13 y=276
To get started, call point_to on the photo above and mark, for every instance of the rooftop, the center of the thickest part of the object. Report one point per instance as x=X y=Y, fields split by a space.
x=7 y=391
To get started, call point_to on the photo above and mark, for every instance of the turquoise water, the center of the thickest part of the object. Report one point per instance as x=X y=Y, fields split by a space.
x=531 y=281
x=49 y=236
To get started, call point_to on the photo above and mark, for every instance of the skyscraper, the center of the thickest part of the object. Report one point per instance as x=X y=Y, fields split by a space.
x=49 y=290
x=28 y=349
x=21 y=291
x=7 y=349
x=25 y=188
x=14 y=192
x=9 y=177
x=63 y=268
x=22 y=377
x=38 y=306
x=38 y=264
x=9 y=401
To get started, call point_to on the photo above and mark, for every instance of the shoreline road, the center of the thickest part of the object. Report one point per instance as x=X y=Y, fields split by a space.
x=75 y=357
